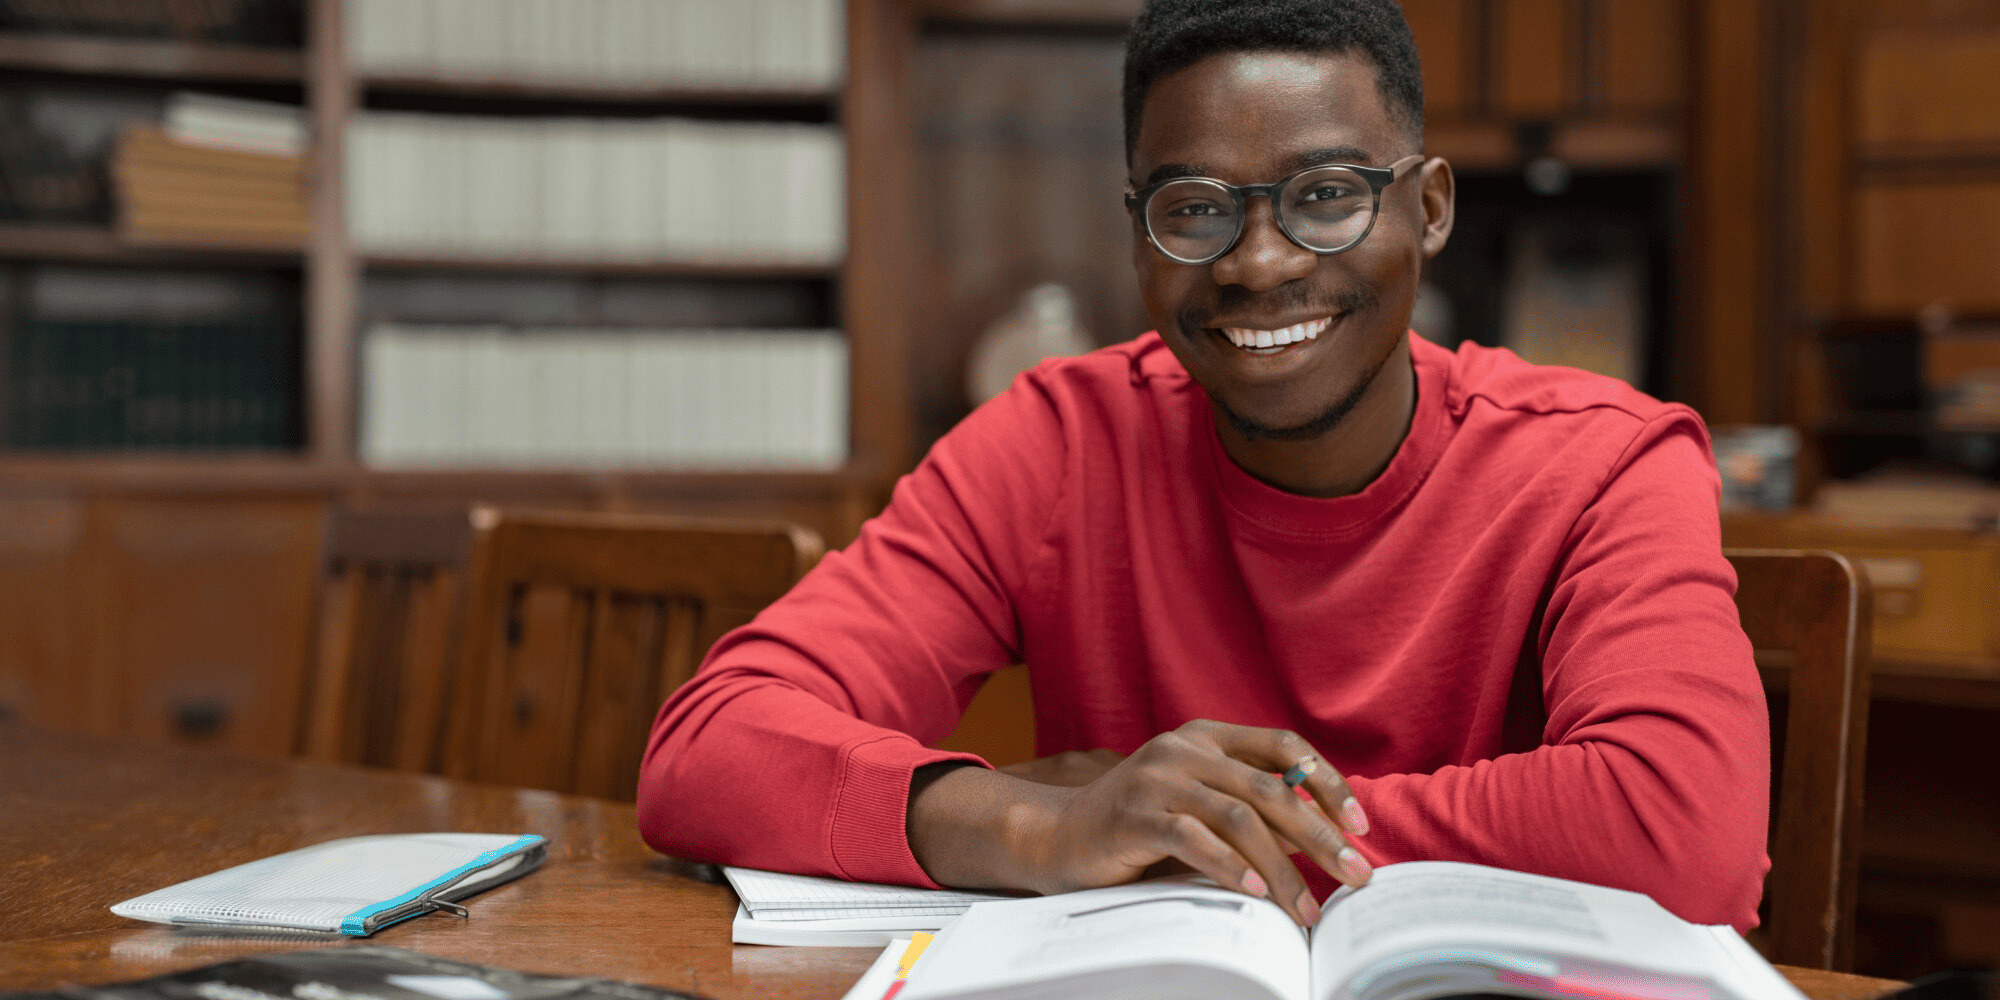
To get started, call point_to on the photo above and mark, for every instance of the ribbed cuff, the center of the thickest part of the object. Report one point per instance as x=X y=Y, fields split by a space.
x=868 y=836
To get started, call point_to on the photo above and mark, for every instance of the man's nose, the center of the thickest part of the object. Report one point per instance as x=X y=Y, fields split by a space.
x=1264 y=257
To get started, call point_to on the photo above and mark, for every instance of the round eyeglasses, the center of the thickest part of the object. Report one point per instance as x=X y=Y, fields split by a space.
x=1325 y=209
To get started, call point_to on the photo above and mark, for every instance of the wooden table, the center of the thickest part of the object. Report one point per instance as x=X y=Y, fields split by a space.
x=86 y=822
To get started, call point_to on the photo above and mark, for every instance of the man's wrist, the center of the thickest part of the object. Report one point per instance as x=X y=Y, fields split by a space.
x=970 y=828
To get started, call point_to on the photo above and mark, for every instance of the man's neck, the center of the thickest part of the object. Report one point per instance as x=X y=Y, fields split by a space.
x=1345 y=459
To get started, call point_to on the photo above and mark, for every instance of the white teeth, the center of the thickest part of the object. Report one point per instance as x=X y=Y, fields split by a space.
x=1254 y=339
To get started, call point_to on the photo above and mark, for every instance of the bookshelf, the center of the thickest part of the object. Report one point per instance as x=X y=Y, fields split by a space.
x=863 y=291
x=148 y=59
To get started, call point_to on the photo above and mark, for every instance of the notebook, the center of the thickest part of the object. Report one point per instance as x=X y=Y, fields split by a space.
x=778 y=908
x=354 y=886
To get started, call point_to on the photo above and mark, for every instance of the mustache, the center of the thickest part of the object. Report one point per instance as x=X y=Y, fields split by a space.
x=1231 y=298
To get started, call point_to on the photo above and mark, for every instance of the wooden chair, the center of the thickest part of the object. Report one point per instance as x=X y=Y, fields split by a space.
x=390 y=607
x=1810 y=613
x=580 y=625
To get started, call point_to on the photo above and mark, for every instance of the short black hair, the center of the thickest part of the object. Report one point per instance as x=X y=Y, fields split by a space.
x=1169 y=35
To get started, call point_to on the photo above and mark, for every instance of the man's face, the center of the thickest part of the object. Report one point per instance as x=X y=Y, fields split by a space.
x=1254 y=118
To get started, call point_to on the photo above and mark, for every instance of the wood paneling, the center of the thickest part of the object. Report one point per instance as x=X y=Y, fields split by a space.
x=42 y=595
x=1447 y=42
x=1928 y=88
x=1638 y=53
x=1728 y=240
x=1535 y=57
x=203 y=619
x=1916 y=245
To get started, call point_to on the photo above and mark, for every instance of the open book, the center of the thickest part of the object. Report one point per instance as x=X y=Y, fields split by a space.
x=1419 y=930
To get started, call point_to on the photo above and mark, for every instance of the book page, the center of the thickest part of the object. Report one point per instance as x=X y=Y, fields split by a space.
x=1428 y=928
x=1156 y=941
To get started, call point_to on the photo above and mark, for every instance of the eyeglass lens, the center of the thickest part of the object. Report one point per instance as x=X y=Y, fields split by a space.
x=1324 y=210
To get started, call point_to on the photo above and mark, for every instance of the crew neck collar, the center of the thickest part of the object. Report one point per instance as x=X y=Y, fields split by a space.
x=1297 y=518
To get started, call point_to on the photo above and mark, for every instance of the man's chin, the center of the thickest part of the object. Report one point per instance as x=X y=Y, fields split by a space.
x=1251 y=429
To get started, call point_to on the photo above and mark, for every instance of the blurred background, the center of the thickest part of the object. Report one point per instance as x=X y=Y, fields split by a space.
x=267 y=264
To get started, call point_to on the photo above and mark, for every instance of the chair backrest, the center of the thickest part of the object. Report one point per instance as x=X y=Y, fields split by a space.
x=580 y=624
x=1810 y=613
x=391 y=601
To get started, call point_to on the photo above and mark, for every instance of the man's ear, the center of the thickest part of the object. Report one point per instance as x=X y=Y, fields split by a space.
x=1439 y=201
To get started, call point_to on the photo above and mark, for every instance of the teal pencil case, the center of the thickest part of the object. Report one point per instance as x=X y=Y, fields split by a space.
x=354 y=886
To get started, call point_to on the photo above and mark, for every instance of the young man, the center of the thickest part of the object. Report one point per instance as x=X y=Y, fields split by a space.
x=1475 y=609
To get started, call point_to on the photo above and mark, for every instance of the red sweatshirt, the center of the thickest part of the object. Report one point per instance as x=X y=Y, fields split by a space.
x=1088 y=524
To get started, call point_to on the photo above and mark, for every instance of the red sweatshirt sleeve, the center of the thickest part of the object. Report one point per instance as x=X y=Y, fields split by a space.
x=792 y=748
x=1655 y=769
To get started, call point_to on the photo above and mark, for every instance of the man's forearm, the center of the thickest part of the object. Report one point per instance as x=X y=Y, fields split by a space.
x=969 y=827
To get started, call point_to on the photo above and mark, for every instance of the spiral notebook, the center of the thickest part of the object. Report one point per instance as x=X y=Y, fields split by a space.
x=778 y=908
x=354 y=886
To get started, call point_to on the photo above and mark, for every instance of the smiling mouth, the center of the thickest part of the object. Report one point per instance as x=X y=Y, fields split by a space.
x=1263 y=342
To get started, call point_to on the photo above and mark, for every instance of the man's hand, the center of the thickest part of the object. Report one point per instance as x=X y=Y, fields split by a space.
x=1205 y=794
x=1071 y=769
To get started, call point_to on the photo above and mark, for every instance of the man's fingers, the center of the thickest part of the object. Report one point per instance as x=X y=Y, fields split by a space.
x=1244 y=827
x=1191 y=841
x=1287 y=753
x=1244 y=768
x=1290 y=817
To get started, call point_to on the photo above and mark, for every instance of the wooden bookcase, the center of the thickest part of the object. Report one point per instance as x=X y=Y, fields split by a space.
x=869 y=288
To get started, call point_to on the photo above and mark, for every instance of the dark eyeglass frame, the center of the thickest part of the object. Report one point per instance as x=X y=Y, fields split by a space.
x=1376 y=178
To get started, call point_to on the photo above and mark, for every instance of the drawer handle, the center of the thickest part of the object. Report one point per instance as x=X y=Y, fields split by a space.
x=200 y=719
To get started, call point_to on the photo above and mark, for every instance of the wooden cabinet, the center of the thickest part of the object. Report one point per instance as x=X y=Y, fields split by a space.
x=202 y=616
x=1937 y=592
x=179 y=618
x=43 y=605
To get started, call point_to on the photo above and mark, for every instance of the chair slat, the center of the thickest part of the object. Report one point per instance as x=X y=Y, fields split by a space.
x=1816 y=607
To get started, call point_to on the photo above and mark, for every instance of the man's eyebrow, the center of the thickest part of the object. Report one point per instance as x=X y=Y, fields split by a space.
x=1169 y=171
x=1293 y=164
x=1331 y=154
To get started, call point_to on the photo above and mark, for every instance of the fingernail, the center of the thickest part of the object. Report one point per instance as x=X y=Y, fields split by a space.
x=1357 y=867
x=1353 y=817
x=1253 y=884
x=1309 y=907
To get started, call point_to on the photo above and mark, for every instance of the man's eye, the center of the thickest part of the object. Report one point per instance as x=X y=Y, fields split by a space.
x=1328 y=192
x=1195 y=209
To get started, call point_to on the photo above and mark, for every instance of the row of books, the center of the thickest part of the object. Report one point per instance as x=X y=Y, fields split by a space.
x=473 y=397
x=218 y=170
x=654 y=189
x=253 y=22
x=788 y=44
x=77 y=385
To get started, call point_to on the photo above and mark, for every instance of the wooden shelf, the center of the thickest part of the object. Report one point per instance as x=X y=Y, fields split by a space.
x=148 y=59
x=258 y=471
x=1608 y=144
x=85 y=244
x=655 y=267
x=572 y=92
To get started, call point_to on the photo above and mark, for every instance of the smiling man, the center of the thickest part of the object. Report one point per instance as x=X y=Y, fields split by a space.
x=1470 y=608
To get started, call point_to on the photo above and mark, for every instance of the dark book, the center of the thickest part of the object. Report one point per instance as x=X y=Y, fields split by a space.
x=358 y=971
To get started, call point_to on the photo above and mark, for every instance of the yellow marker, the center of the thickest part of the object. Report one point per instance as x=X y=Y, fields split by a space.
x=918 y=942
